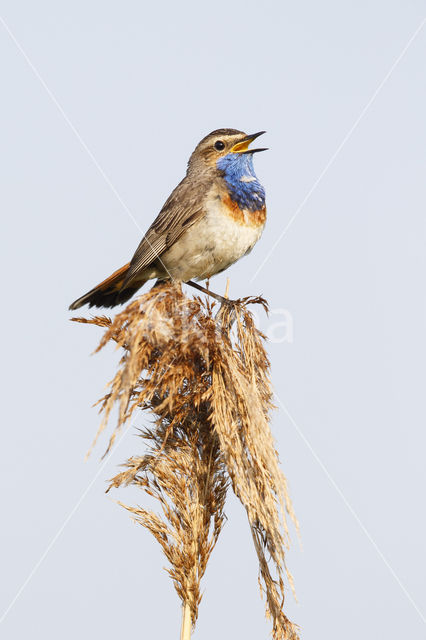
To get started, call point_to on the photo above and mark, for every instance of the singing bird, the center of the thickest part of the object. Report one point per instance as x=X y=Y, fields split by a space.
x=213 y=218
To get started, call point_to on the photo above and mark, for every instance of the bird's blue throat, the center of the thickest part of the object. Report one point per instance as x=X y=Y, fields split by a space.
x=243 y=184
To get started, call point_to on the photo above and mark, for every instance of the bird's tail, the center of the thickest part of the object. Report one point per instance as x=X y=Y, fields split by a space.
x=109 y=293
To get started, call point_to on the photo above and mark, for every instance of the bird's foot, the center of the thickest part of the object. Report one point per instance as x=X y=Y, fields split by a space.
x=216 y=296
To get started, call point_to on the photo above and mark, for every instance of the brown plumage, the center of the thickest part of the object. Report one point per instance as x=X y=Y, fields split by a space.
x=109 y=292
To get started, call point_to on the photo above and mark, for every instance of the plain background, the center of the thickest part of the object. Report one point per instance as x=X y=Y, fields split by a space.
x=142 y=83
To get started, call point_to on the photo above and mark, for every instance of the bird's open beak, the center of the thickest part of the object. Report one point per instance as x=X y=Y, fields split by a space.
x=243 y=145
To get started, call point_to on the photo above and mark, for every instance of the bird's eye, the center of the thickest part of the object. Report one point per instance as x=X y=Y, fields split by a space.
x=219 y=145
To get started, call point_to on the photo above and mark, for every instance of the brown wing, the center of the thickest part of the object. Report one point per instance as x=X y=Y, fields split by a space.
x=181 y=210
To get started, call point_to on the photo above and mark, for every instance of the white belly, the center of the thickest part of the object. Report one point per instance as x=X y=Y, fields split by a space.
x=211 y=245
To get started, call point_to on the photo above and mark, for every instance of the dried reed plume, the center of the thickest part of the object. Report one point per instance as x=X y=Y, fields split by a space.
x=205 y=379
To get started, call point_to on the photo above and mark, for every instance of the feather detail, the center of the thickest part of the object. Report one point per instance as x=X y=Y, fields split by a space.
x=243 y=216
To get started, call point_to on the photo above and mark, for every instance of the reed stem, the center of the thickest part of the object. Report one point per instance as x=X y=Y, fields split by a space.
x=185 y=630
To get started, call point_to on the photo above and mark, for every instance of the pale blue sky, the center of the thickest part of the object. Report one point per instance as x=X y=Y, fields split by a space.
x=141 y=84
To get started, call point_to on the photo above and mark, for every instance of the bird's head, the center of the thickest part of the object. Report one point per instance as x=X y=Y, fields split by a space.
x=221 y=147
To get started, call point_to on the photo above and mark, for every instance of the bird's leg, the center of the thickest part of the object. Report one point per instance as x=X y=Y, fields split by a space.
x=216 y=296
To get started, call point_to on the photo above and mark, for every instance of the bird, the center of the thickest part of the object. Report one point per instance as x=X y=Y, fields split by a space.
x=212 y=218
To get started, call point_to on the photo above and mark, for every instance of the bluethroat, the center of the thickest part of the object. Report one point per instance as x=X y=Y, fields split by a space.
x=213 y=218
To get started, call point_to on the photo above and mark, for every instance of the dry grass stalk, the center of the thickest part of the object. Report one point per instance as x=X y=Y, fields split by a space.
x=185 y=631
x=208 y=387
